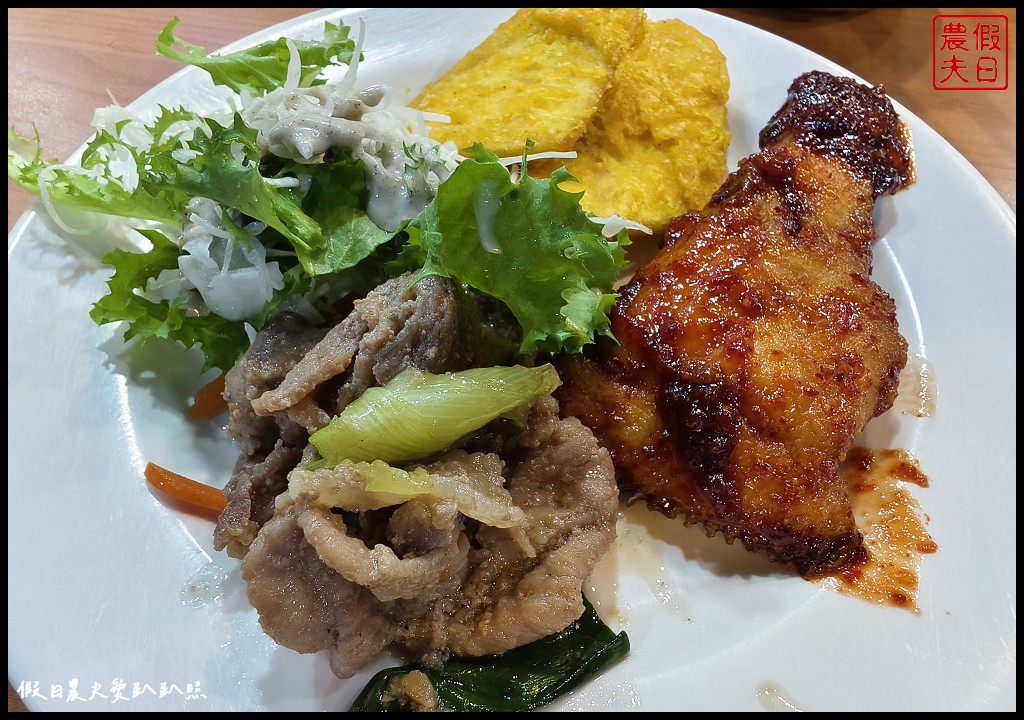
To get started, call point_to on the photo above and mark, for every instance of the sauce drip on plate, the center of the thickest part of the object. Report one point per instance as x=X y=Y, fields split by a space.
x=894 y=528
x=917 y=395
x=773 y=698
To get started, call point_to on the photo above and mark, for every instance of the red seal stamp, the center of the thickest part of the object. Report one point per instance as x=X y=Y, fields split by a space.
x=970 y=52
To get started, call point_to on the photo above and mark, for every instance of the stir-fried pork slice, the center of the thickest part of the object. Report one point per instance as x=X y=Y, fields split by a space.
x=254 y=485
x=306 y=606
x=271 y=446
x=283 y=341
x=423 y=574
x=397 y=325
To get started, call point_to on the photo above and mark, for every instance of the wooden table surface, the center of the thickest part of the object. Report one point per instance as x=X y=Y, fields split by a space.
x=63 y=62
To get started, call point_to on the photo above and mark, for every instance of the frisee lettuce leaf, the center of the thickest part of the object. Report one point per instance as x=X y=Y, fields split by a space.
x=217 y=173
x=527 y=243
x=96 y=184
x=263 y=68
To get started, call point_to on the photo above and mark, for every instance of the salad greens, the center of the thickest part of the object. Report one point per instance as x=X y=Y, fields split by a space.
x=219 y=338
x=288 y=221
x=261 y=69
x=539 y=252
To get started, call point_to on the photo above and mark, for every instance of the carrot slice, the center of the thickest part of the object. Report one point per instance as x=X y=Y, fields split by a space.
x=185 y=489
x=209 y=401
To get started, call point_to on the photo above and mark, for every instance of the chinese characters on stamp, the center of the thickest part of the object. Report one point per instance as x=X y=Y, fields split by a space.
x=116 y=691
x=970 y=52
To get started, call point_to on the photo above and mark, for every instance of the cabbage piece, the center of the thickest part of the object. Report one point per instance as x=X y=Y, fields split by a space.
x=477 y=487
x=360 y=486
x=419 y=413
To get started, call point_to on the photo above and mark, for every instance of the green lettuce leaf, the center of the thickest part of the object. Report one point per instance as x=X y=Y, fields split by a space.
x=527 y=243
x=337 y=200
x=97 y=185
x=216 y=173
x=263 y=68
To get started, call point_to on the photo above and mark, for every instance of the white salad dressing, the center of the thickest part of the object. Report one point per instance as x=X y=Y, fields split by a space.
x=402 y=169
x=485 y=206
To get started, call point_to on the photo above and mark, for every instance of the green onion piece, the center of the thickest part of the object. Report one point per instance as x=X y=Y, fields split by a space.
x=419 y=413
x=521 y=680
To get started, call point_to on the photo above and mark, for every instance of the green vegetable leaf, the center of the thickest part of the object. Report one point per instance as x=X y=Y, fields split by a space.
x=328 y=226
x=530 y=244
x=263 y=68
x=100 y=182
x=25 y=157
x=222 y=341
x=418 y=413
x=217 y=173
x=337 y=200
x=521 y=680
x=227 y=170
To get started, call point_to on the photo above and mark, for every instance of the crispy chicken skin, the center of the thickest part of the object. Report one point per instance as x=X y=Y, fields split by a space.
x=753 y=347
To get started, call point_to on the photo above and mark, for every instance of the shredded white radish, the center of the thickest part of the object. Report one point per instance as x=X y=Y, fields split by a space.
x=350 y=76
x=613 y=224
x=291 y=80
x=518 y=159
x=233 y=278
x=51 y=208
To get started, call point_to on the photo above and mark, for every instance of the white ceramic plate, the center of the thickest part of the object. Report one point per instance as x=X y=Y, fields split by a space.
x=108 y=586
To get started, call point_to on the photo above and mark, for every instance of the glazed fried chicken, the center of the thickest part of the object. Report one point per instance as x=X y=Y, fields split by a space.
x=754 y=347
